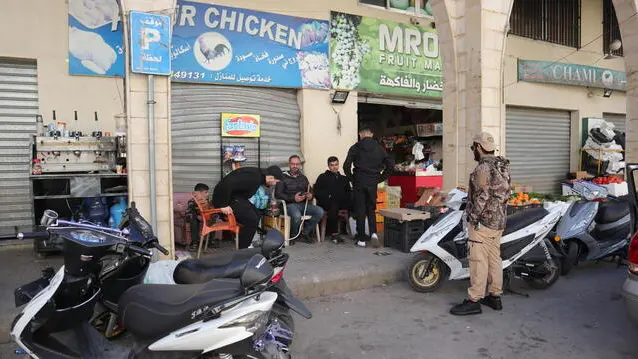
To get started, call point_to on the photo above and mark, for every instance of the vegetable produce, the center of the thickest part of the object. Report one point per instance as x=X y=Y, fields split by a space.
x=607 y=180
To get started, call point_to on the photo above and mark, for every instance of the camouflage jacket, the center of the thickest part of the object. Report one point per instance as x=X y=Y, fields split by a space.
x=488 y=193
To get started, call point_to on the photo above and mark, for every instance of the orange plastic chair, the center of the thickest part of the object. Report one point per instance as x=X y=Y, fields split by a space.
x=207 y=212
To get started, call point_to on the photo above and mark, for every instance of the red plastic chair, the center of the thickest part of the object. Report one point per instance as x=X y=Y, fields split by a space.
x=209 y=225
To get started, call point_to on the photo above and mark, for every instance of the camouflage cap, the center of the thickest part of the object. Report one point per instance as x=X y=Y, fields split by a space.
x=486 y=141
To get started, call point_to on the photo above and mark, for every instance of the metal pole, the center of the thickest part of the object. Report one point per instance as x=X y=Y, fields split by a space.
x=151 y=149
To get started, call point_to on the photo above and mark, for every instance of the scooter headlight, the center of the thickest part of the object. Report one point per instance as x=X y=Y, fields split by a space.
x=252 y=321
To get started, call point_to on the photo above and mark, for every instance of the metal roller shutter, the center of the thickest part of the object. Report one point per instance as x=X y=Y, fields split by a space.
x=18 y=108
x=617 y=119
x=196 y=129
x=538 y=147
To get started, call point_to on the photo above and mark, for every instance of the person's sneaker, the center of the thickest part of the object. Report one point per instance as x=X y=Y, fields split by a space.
x=493 y=302
x=362 y=244
x=468 y=307
x=374 y=241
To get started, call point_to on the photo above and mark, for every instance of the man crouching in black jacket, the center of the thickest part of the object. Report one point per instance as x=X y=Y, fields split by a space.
x=232 y=193
x=333 y=193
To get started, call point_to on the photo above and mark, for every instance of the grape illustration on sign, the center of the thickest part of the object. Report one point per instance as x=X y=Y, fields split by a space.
x=220 y=44
x=374 y=55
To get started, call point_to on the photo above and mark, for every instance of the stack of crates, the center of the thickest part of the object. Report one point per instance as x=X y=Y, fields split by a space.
x=382 y=203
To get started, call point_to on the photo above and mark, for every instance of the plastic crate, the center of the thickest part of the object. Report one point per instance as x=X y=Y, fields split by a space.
x=516 y=209
x=402 y=235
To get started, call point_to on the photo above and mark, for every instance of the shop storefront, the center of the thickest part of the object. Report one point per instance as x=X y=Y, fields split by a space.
x=225 y=68
x=399 y=87
x=19 y=88
x=551 y=109
x=538 y=147
x=197 y=144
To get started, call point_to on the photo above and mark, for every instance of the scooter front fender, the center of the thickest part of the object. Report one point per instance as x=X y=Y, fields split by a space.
x=31 y=310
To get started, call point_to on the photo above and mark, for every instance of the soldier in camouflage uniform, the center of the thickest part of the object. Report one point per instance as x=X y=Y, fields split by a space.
x=486 y=212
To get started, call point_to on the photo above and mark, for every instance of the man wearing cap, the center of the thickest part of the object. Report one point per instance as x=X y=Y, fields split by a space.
x=486 y=212
x=233 y=192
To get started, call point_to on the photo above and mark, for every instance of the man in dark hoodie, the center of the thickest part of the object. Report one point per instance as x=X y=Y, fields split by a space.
x=233 y=192
x=486 y=211
x=333 y=193
x=372 y=165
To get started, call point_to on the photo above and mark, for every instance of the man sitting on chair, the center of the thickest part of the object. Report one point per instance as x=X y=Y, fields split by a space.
x=294 y=189
x=333 y=193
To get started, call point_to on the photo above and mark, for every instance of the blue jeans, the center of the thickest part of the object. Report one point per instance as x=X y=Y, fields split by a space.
x=295 y=211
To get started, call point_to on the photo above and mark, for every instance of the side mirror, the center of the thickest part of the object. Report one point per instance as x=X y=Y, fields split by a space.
x=48 y=218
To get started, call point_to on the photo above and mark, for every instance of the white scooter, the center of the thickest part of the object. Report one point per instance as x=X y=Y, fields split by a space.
x=441 y=252
x=222 y=318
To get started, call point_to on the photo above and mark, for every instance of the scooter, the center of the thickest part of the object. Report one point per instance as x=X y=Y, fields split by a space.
x=441 y=252
x=592 y=231
x=224 y=317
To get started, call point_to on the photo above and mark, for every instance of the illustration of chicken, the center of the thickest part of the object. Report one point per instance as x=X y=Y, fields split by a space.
x=212 y=53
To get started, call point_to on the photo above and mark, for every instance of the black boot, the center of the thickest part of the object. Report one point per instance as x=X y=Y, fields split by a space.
x=493 y=302
x=468 y=307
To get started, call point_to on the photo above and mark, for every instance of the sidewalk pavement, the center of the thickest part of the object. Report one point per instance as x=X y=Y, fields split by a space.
x=313 y=270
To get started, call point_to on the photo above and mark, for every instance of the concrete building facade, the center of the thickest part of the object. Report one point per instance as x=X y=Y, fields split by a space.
x=480 y=59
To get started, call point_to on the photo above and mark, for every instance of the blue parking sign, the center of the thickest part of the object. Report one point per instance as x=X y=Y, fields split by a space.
x=150 y=43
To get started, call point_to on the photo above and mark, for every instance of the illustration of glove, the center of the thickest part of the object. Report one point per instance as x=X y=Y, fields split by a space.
x=95 y=54
x=94 y=13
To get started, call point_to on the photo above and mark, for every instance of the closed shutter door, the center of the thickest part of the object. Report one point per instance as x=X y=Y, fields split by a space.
x=538 y=147
x=196 y=129
x=616 y=119
x=18 y=108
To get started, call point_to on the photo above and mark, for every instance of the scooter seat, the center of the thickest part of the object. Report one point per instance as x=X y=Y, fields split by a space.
x=609 y=212
x=524 y=218
x=231 y=265
x=153 y=310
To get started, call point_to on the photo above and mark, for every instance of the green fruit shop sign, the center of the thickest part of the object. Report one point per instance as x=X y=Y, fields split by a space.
x=381 y=56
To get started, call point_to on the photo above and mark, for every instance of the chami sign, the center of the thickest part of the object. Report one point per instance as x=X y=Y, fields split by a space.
x=571 y=74
x=240 y=125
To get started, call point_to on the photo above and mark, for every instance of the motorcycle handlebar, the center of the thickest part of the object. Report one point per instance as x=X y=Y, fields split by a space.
x=160 y=248
x=140 y=251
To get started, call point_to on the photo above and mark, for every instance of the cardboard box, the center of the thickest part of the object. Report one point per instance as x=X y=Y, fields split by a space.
x=431 y=196
x=580 y=175
x=404 y=214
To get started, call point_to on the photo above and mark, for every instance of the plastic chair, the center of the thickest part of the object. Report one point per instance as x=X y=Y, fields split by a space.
x=343 y=214
x=207 y=213
x=287 y=222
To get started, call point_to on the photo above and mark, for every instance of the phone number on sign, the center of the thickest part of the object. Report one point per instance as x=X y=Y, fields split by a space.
x=189 y=75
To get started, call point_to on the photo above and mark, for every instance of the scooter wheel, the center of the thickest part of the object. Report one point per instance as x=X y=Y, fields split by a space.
x=549 y=279
x=567 y=263
x=426 y=272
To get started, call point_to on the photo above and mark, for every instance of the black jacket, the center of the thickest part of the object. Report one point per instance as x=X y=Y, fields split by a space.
x=289 y=186
x=332 y=188
x=241 y=183
x=372 y=164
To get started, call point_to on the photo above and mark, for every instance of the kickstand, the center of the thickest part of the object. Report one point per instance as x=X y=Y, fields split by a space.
x=507 y=288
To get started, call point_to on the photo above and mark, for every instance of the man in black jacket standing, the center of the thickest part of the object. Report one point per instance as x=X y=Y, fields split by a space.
x=294 y=190
x=232 y=193
x=372 y=165
x=333 y=193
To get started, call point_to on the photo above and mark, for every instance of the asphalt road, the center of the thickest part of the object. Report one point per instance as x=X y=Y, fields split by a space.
x=581 y=317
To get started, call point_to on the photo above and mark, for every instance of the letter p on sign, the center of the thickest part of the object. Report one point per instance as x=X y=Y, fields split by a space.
x=148 y=36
